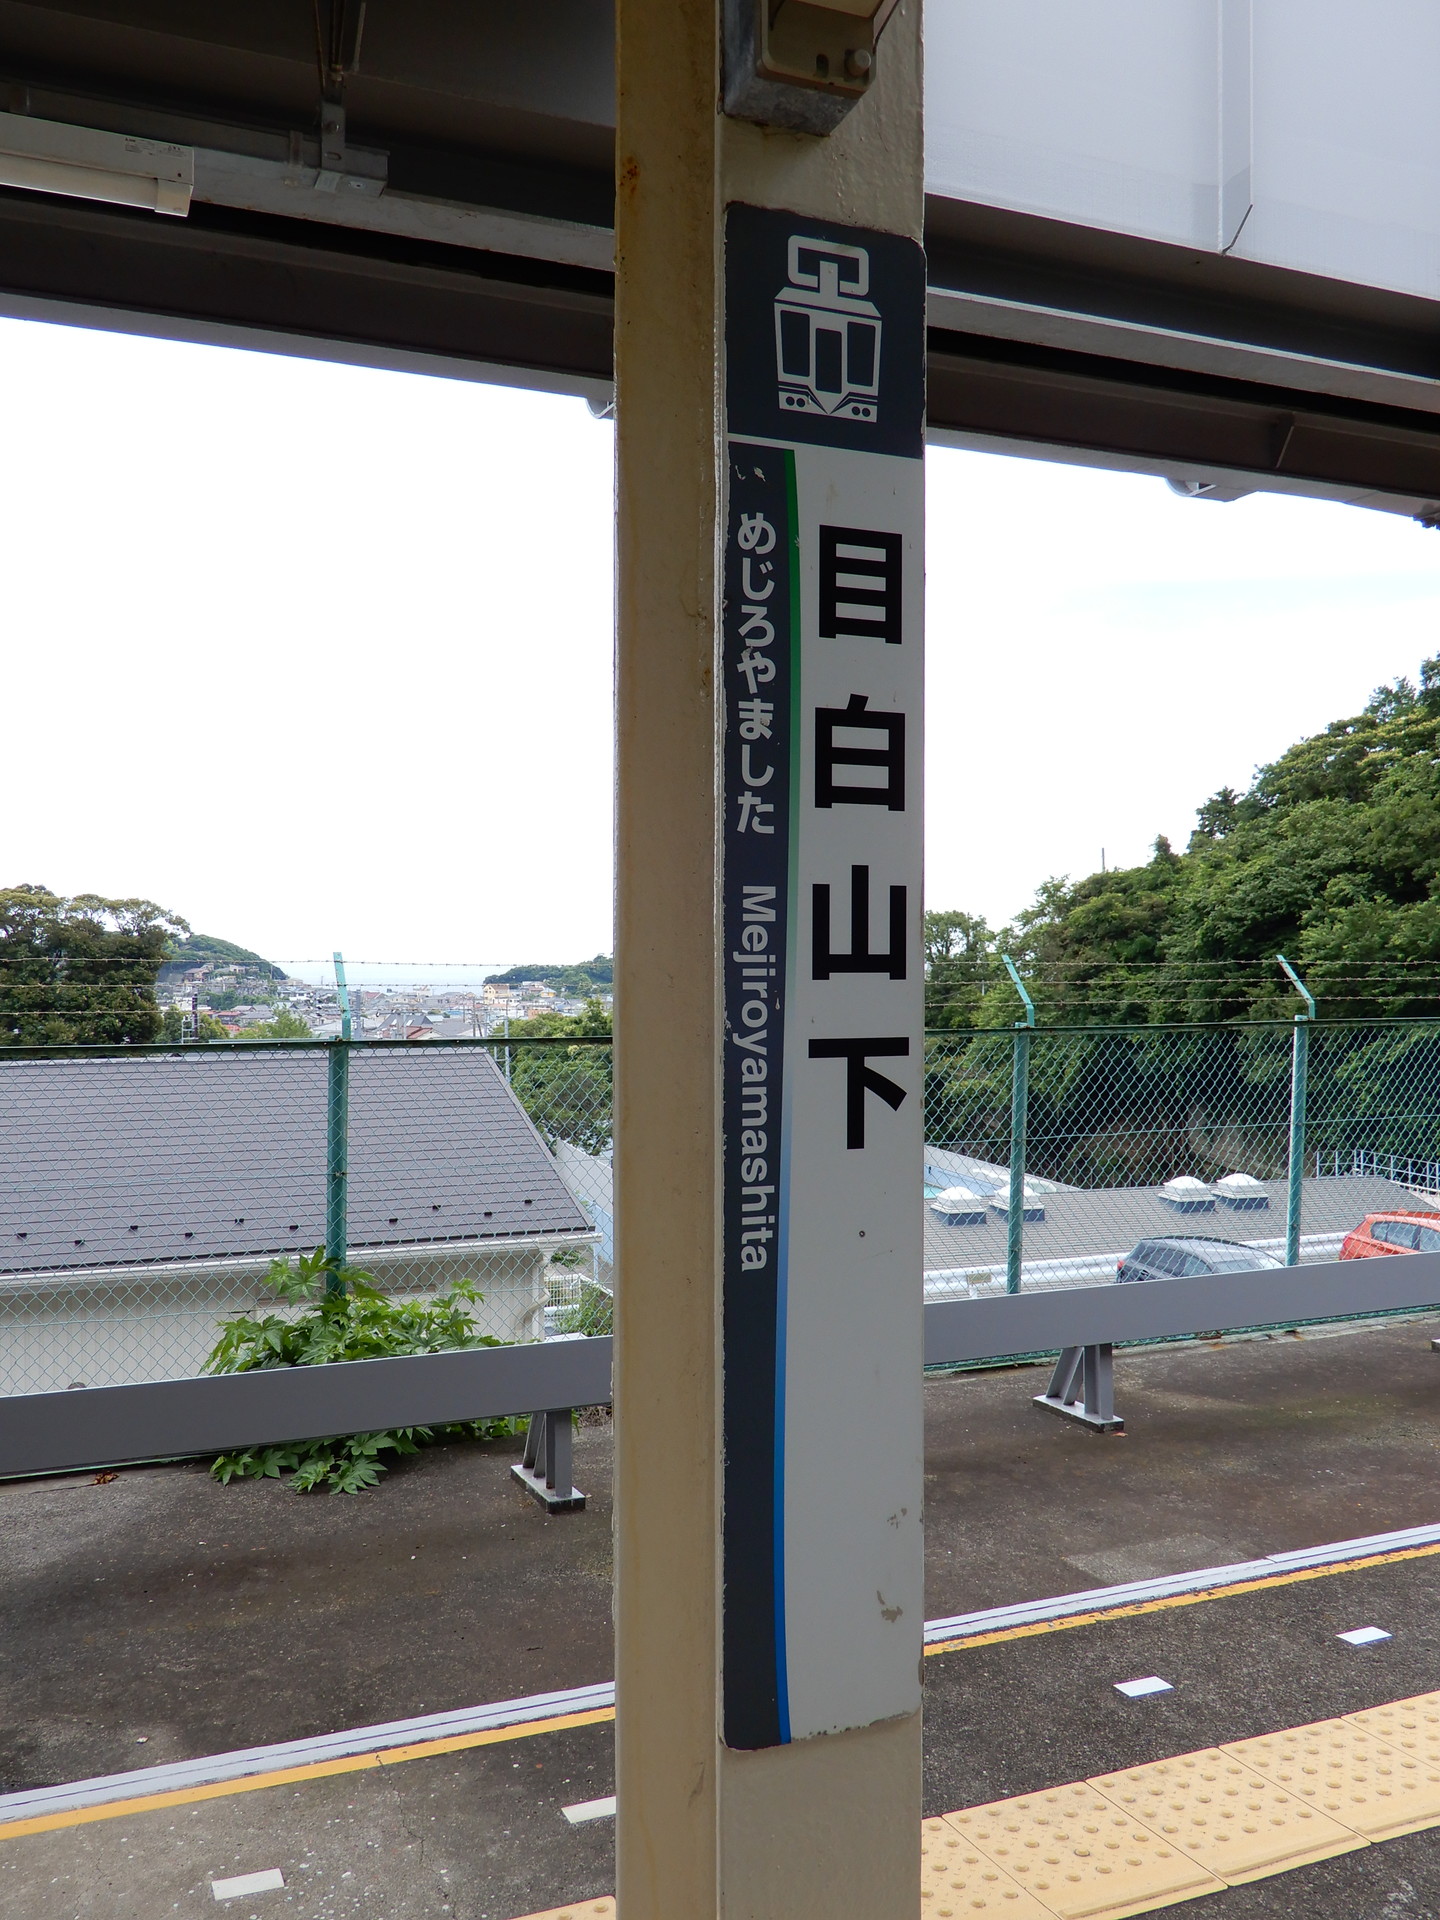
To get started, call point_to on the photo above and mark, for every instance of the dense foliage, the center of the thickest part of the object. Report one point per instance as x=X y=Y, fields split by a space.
x=343 y=1315
x=565 y=1090
x=592 y=1314
x=80 y=970
x=1332 y=857
x=285 y=1026
x=204 y=949
x=585 y=977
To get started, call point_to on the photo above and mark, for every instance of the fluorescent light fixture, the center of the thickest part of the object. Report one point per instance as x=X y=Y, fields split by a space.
x=46 y=156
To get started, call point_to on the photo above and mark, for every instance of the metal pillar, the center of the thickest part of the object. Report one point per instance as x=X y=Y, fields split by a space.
x=1082 y=1388
x=337 y=1167
x=546 y=1468
x=705 y=1830
x=1299 y=1076
x=1019 y=1114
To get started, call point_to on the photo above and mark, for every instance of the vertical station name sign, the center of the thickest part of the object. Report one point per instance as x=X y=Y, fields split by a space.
x=822 y=853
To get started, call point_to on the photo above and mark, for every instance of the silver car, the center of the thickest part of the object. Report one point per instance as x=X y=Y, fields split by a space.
x=1181 y=1256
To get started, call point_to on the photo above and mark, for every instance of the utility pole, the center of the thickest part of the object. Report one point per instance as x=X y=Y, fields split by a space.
x=768 y=1092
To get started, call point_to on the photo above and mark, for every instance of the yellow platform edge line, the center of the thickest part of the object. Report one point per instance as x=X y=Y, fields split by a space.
x=429 y=1749
x=290 y=1776
x=1169 y=1601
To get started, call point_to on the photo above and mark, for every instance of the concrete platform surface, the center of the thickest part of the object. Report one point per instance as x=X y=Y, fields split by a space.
x=160 y=1616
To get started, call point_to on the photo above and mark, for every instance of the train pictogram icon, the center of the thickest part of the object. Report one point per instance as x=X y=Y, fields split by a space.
x=827 y=333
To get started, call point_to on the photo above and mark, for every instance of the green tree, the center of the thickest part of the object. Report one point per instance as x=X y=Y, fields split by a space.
x=285 y=1026
x=960 y=966
x=581 y=979
x=81 y=969
x=566 y=1090
x=1331 y=856
x=172 y=1027
x=203 y=949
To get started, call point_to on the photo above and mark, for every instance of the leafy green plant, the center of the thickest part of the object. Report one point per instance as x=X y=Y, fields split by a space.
x=344 y=1316
x=592 y=1314
x=565 y=1090
x=285 y=1026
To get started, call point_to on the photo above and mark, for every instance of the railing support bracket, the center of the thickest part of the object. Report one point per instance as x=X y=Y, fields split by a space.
x=546 y=1468
x=1082 y=1388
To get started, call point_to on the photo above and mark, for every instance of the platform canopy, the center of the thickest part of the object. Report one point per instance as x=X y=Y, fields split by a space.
x=1200 y=239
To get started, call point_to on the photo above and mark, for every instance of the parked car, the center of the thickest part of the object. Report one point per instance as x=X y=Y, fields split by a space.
x=1180 y=1256
x=1393 y=1232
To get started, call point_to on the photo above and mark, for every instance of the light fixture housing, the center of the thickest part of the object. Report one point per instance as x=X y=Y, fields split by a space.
x=792 y=64
x=48 y=156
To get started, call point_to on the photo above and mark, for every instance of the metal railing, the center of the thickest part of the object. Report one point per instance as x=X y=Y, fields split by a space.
x=1051 y=1153
x=145 y=1191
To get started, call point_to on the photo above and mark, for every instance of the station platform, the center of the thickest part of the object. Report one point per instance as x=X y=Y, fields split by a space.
x=158 y=1620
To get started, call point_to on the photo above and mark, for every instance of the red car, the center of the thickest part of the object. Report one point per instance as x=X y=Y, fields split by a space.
x=1394 y=1232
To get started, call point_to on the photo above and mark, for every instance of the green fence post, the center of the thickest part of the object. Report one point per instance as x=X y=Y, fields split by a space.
x=1019 y=1108
x=1299 y=1078
x=337 y=1158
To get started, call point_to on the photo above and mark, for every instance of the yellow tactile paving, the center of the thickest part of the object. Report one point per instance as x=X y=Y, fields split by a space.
x=1370 y=1785
x=1411 y=1725
x=1150 y=1837
x=1231 y=1819
x=958 y=1882
x=1080 y=1856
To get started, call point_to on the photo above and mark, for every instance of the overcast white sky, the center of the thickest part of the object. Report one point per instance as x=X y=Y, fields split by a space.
x=318 y=656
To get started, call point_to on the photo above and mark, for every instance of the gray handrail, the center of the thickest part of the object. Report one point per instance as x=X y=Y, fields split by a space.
x=166 y=1419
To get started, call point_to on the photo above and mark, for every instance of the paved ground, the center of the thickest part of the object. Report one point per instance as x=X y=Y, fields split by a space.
x=473 y=1837
x=1252 y=1447
x=1240 y=1666
x=160 y=1616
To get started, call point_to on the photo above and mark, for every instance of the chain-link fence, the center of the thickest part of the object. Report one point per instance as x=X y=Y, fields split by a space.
x=144 y=1194
x=1066 y=1157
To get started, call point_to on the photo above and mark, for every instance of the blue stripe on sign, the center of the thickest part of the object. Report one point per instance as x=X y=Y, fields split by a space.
x=782 y=1212
x=782 y=1276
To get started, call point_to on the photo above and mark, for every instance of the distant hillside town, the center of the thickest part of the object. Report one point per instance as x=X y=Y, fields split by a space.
x=210 y=989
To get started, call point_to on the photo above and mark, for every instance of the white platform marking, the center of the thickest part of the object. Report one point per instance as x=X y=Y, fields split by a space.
x=267 y=1882
x=1137 y=1689
x=1363 y=1636
x=584 y=1810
